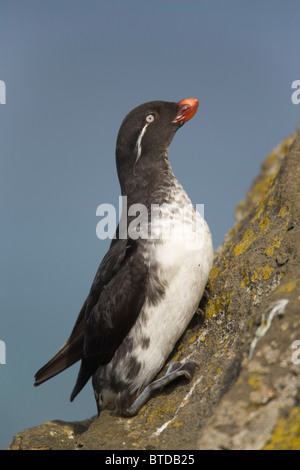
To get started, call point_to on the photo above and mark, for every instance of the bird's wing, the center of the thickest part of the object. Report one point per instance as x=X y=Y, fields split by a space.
x=112 y=309
x=83 y=340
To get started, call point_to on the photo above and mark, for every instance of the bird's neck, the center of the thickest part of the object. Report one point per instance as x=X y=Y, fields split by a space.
x=148 y=179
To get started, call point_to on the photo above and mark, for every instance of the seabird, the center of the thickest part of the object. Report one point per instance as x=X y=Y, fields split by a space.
x=150 y=282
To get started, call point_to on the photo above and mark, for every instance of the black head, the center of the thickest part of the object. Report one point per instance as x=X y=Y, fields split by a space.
x=145 y=135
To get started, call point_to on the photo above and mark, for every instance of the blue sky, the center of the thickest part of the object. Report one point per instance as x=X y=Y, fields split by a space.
x=73 y=70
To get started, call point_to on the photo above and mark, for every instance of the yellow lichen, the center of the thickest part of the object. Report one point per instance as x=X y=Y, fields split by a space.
x=288 y=286
x=255 y=382
x=256 y=274
x=264 y=207
x=264 y=223
x=244 y=281
x=266 y=271
x=212 y=276
x=156 y=414
x=260 y=272
x=277 y=241
x=269 y=251
x=286 y=435
x=226 y=263
x=214 y=272
x=192 y=339
x=222 y=302
x=247 y=240
x=177 y=424
x=284 y=211
x=237 y=267
x=179 y=351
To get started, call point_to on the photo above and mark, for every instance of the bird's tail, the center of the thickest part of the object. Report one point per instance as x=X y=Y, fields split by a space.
x=68 y=354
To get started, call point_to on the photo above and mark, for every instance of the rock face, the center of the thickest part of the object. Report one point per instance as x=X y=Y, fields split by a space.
x=246 y=390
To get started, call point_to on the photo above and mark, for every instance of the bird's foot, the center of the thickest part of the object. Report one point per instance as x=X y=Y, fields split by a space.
x=199 y=312
x=206 y=294
x=204 y=299
x=176 y=369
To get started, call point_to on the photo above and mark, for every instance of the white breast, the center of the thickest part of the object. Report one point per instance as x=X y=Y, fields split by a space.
x=183 y=261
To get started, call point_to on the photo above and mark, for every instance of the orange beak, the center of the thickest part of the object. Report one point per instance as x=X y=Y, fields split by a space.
x=186 y=110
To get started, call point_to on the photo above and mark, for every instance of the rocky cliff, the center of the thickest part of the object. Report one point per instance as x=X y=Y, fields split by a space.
x=246 y=341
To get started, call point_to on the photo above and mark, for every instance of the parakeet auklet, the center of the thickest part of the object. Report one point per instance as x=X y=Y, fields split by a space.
x=150 y=282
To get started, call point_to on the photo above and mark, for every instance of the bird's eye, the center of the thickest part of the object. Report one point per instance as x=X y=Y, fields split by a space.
x=150 y=118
